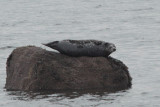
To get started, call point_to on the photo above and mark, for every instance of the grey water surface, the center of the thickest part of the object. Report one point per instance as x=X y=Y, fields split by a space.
x=132 y=25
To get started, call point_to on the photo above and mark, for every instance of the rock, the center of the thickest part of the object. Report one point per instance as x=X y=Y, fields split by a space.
x=35 y=69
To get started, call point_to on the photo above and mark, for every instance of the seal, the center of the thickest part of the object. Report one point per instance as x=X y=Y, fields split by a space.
x=76 y=48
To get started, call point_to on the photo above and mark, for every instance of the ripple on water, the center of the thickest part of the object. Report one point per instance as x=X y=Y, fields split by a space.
x=7 y=47
x=133 y=25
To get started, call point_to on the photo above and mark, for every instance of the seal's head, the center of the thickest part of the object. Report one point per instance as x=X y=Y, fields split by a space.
x=109 y=47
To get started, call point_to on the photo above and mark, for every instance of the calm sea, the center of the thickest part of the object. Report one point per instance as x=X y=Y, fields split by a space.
x=132 y=25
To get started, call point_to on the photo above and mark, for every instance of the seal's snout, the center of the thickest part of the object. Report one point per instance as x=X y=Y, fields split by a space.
x=112 y=48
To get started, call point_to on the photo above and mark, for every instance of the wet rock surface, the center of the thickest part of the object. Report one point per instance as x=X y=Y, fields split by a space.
x=32 y=68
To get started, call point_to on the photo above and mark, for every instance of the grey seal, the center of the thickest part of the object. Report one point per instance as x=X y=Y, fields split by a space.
x=93 y=48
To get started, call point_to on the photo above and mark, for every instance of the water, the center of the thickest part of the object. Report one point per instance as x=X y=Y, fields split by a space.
x=133 y=25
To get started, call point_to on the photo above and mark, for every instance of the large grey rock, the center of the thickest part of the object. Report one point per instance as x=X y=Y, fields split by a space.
x=35 y=69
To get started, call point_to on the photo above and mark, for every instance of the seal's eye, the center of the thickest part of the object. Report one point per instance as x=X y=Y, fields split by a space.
x=106 y=44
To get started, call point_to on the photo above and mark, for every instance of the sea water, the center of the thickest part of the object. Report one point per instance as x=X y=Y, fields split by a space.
x=132 y=25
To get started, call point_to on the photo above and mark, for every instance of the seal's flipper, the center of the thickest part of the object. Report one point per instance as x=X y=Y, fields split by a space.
x=52 y=45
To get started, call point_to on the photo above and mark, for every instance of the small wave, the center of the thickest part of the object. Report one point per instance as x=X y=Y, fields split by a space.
x=140 y=9
x=98 y=6
x=58 y=24
x=6 y=47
